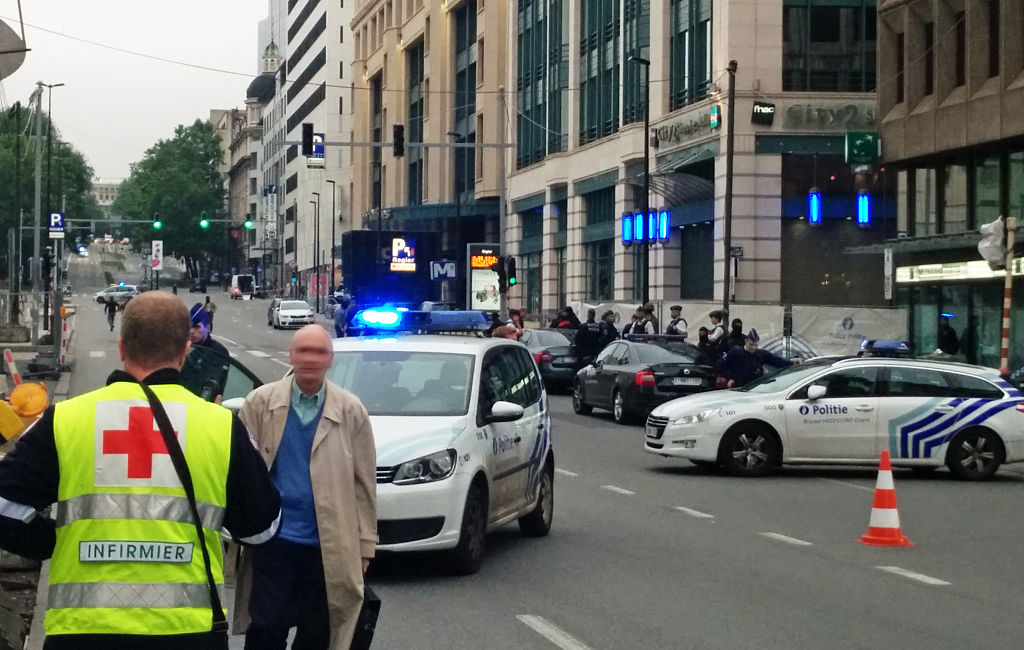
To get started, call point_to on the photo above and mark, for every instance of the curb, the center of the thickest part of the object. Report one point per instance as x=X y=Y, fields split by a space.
x=36 y=633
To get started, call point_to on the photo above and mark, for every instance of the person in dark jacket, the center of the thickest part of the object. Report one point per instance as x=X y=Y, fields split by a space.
x=200 y=332
x=743 y=365
x=574 y=320
x=735 y=338
x=678 y=325
x=110 y=309
x=708 y=350
x=608 y=330
x=947 y=339
x=588 y=338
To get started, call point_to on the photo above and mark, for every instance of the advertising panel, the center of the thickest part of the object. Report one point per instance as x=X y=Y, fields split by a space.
x=483 y=282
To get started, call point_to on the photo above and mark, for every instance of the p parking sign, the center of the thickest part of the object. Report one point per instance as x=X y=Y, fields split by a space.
x=56 y=225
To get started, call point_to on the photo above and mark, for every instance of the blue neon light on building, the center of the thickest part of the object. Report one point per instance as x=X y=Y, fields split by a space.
x=863 y=209
x=814 y=207
x=627 y=229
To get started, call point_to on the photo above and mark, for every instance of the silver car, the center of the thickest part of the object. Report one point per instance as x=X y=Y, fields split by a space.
x=293 y=313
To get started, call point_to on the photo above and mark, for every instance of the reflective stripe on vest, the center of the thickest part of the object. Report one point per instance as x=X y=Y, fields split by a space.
x=137 y=506
x=129 y=594
x=127 y=559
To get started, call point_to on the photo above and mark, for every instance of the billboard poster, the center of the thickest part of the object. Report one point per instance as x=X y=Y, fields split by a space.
x=483 y=282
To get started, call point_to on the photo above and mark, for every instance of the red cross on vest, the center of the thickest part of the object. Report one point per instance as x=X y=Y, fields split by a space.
x=140 y=441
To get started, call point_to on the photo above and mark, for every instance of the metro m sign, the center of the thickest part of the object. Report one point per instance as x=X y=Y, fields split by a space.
x=442 y=270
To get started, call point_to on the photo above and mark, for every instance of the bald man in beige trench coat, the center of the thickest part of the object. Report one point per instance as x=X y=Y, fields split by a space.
x=342 y=468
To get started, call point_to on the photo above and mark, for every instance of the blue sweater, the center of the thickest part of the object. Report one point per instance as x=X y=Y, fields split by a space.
x=290 y=475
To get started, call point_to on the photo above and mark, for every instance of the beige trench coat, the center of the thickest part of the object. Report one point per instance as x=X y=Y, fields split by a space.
x=343 y=469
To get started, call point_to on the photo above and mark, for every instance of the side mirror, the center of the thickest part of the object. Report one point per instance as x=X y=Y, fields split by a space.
x=505 y=412
x=816 y=391
x=235 y=403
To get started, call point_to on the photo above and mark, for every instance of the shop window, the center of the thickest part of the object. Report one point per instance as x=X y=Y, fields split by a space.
x=925 y=203
x=954 y=199
x=1015 y=198
x=986 y=190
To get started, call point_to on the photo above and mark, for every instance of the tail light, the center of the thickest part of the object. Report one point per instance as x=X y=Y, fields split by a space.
x=542 y=357
x=644 y=378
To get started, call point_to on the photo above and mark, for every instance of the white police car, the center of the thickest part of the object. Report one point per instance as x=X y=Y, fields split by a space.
x=462 y=430
x=847 y=411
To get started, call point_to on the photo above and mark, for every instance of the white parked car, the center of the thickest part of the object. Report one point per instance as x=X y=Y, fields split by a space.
x=119 y=292
x=847 y=411
x=293 y=313
x=463 y=439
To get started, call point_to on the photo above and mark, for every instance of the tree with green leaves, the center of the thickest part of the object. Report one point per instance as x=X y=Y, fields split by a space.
x=177 y=181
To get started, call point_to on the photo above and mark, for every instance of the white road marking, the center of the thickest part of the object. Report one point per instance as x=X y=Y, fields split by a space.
x=233 y=355
x=695 y=513
x=258 y=353
x=97 y=353
x=849 y=485
x=920 y=577
x=618 y=490
x=552 y=633
x=787 y=539
x=283 y=363
x=565 y=472
x=226 y=340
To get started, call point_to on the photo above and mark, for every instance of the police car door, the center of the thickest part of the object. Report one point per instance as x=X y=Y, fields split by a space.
x=842 y=424
x=531 y=433
x=917 y=408
x=498 y=379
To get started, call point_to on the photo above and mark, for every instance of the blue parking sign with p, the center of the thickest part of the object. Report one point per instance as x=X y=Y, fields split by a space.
x=56 y=225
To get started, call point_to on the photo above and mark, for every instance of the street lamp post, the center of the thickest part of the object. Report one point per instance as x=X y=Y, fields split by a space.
x=727 y=212
x=645 y=250
x=316 y=250
x=334 y=220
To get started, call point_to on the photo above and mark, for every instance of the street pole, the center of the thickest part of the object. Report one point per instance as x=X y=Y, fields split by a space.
x=646 y=254
x=502 y=217
x=334 y=220
x=1004 y=358
x=36 y=266
x=316 y=251
x=727 y=218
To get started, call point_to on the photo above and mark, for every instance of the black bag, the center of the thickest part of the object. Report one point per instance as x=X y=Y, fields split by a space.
x=219 y=631
x=363 y=637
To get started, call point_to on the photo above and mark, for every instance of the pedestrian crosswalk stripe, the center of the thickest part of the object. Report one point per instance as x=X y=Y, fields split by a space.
x=695 y=513
x=552 y=633
x=258 y=353
x=618 y=490
x=913 y=575
x=97 y=353
x=779 y=537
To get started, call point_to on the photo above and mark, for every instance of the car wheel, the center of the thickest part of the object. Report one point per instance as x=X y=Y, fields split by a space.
x=578 y=404
x=619 y=410
x=975 y=455
x=538 y=522
x=467 y=556
x=749 y=450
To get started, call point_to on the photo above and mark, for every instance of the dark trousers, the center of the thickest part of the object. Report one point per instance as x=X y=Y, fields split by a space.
x=288 y=590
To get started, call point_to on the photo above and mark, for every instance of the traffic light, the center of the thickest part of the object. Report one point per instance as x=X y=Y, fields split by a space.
x=157 y=224
x=398 y=140
x=204 y=223
x=248 y=223
x=295 y=278
x=510 y=270
x=499 y=268
x=307 y=139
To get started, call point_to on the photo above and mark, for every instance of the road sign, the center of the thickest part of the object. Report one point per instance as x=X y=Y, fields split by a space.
x=158 y=255
x=862 y=147
x=56 y=225
x=316 y=161
x=442 y=270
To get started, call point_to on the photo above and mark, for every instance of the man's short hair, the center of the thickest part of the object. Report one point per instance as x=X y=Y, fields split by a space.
x=154 y=329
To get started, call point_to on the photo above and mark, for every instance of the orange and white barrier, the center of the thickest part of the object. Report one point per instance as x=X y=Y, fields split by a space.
x=884 y=527
x=12 y=369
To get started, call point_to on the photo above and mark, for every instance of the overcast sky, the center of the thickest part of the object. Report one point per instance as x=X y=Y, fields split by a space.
x=116 y=105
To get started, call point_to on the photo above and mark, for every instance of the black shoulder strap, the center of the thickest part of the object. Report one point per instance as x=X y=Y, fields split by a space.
x=220 y=624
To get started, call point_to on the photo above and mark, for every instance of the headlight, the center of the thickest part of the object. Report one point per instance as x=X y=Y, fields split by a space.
x=434 y=467
x=700 y=416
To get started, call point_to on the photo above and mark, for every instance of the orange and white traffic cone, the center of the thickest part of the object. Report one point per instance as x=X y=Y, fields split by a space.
x=884 y=527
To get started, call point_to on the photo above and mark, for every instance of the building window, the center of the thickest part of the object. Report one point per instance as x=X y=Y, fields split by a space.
x=414 y=130
x=563 y=270
x=377 y=126
x=993 y=38
x=986 y=190
x=532 y=223
x=599 y=206
x=828 y=45
x=600 y=270
x=925 y=203
x=465 y=99
x=690 y=51
x=599 y=69
x=929 y=58
x=532 y=287
x=961 y=49
x=542 y=75
x=900 y=68
x=637 y=37
x=954 y=198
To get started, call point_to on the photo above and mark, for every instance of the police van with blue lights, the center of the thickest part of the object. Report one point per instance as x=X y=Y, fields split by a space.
x=462 y=429
x=846 y=412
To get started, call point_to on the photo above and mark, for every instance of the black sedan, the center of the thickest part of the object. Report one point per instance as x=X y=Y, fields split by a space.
x=555 y=356
x=630 y=378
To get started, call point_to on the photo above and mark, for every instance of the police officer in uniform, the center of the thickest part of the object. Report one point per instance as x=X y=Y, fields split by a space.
x=678 y=325
x=127 y=570
x=588 y=338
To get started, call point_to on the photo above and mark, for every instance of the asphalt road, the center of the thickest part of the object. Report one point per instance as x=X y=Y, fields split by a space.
x=647 y=552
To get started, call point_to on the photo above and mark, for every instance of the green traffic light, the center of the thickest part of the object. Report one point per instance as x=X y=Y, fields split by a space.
x=204 y=223
x=512 y=280
x=248 y=224
x=157 y=225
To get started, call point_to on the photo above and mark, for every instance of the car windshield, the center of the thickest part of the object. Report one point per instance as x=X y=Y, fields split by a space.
x=294 y=304
x=786 y=378
x=548 y=339
x=394 y=382
x=649 y=354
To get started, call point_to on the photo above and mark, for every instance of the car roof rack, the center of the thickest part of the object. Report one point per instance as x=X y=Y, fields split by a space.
x=393 y=320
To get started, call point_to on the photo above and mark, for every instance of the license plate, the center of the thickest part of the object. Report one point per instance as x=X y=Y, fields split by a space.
x=569 y=359
x=652 y=432
x=686 y=381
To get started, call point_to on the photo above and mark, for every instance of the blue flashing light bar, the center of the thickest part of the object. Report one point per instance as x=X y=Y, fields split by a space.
x=814 y=207
x=379 y=317
x=627 y=229
x=390 y=319
x=663 y=219
x=863 y=209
